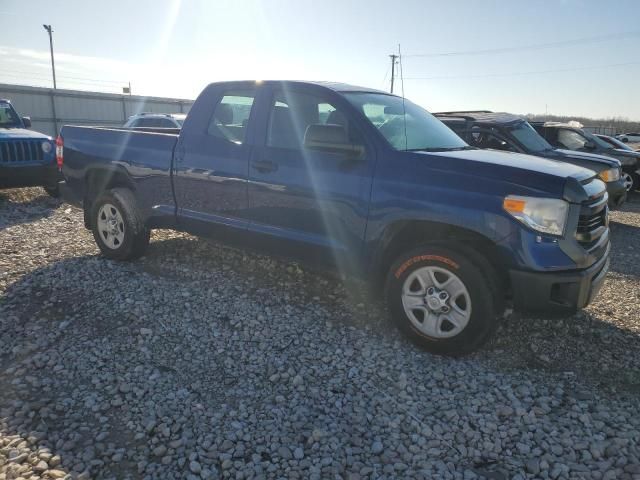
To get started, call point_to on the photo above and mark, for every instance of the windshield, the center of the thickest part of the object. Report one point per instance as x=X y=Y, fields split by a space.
x=417 y=130
x=8 y=116
x=527 y=136
x=618 y=144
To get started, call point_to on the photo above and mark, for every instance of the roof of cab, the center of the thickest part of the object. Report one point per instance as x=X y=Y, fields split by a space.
x=335 y=86
x=481 y=116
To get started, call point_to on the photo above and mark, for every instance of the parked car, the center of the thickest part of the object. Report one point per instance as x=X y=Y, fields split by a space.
x=156 y=120
x=614 y=142
x=629 y=137
x=361 y=180
x=504 y=131
x=27 y=158
x=572 y=137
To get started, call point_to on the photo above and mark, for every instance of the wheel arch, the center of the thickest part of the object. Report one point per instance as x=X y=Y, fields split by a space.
x=403 y=236
x=100 y=179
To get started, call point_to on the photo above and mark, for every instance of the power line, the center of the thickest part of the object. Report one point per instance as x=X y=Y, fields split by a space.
x=384 y=79
x=513 y=74
x=540 y=46
x=83 y=79
x=42 y=82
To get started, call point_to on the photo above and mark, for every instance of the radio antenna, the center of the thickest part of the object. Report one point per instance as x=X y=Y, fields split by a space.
x=404 y=110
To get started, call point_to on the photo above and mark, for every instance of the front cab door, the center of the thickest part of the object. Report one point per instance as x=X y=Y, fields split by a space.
x=302 y=197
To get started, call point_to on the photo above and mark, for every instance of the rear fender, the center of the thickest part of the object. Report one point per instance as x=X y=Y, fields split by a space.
x=100 y=179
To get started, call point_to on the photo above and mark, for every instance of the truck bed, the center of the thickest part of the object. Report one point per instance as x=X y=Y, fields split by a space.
x=142 y=157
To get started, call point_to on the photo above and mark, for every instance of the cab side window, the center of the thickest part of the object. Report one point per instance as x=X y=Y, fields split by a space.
x=570 y=140
x=231 y=116
x=485 y=139
x=291 y=114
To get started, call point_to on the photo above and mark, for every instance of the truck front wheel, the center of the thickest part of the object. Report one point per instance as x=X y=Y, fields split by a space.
x=442 y=300
x=117 y=225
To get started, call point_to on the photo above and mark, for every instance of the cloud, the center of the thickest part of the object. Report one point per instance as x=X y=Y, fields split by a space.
x=83 y=72
x=67 y=61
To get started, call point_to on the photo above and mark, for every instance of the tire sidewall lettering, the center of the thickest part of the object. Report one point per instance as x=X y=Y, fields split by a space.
x=421 y=258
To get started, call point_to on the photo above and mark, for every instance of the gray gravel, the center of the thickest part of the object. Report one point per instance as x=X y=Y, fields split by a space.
x=201 y=361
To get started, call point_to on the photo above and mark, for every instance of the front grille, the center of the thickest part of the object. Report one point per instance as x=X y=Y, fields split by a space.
x=593 y=221
x=17 y=151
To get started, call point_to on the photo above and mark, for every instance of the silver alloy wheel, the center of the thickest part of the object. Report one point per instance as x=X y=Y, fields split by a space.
x=627 y=179
x=110 y=226
x=437 y=302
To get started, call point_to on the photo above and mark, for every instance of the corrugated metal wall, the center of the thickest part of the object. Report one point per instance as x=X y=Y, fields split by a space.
x=50 y=109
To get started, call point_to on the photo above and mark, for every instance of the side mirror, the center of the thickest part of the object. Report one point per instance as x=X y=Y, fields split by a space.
x=331 y=138
x=26 y=121
x=590 y=144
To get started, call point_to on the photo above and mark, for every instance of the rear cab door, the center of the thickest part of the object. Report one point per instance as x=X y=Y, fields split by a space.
x=212 y=158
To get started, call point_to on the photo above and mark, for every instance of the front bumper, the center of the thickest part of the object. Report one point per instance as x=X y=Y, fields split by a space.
x=566 y=291
x=34 y=175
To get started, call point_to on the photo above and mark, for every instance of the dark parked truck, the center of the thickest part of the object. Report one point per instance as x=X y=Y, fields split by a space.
x=364 y=181
x=504 y=131
x=27 y=158
x=571 y=136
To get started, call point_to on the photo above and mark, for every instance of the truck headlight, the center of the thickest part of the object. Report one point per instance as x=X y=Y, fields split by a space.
x=610 y=175
x=46 y=147
x=545 y=215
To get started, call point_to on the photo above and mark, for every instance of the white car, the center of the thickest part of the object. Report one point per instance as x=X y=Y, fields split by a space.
x=156 y=120
x=629 y=137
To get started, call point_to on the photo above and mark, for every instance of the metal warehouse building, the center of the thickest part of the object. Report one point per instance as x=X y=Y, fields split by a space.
x=49 y=109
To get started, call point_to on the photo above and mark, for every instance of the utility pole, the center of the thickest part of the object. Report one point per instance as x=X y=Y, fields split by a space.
x=53 y=65
x=394 y=59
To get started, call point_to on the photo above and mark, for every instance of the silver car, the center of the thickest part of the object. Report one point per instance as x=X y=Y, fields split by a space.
x=156 y=120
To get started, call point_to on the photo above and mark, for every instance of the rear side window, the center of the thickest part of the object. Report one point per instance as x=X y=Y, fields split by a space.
x=165 y=123
x=144 y=122
x=231 y=116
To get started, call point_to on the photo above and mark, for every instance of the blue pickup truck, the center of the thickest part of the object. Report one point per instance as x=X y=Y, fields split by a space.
x=361 y=180
x=27 y=158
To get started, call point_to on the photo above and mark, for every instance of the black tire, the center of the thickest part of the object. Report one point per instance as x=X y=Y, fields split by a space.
x=633 y=178
x=479 y=280
x=52 y=191
x=136 y=234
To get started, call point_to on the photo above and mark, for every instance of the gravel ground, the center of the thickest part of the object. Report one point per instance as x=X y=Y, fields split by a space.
x=201 y=361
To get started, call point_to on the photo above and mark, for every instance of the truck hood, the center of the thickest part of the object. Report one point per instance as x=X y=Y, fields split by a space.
x=517 y=172
x=607 y=162
x=625 y=153
x=626 y=157
x=6 y=133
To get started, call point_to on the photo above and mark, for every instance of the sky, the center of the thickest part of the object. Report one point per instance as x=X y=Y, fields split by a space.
x=563 y=57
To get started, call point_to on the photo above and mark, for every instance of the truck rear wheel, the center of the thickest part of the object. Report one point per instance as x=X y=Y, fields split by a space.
x=117 y=225
x=444 y=301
